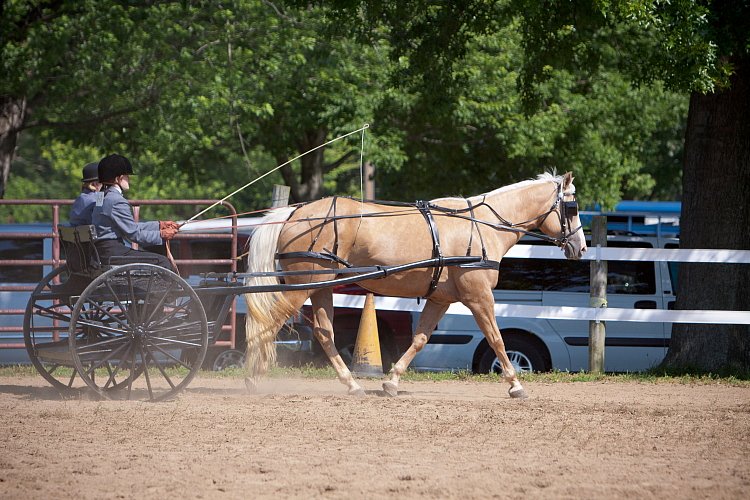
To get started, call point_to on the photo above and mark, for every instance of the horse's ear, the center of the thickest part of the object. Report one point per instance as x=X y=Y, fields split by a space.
x=567 y=179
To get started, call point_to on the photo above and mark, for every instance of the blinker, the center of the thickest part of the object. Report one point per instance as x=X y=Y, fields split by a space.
x=571 y=208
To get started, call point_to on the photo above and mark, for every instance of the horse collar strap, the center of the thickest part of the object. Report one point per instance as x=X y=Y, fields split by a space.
x=424 y=208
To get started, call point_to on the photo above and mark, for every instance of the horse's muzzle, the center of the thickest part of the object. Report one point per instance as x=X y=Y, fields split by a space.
x=574 y=249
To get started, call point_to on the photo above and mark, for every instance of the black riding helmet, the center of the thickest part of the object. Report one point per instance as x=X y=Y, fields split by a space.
x=112 y=166
x=90 y=172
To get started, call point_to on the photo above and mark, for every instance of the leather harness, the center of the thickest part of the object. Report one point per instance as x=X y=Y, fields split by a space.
x=424 y=208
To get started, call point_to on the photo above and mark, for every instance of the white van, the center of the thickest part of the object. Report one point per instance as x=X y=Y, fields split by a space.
x=541 y=344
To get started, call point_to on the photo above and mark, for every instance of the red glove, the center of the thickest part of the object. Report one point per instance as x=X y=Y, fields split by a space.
x=167 y=229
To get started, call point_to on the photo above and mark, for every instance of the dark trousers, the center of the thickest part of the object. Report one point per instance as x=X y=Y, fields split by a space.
x=116 y=248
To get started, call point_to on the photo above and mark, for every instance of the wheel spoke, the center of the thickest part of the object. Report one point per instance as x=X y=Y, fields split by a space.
x=103 y=328
x=110 y=356
x=134 y=302
x=116 y=299
x=161 y=369
x=173 y=312
x=159 y=304
x=131 y=379
x=169 y=355
x=89 y=348
x=111 y=378
x=51 y=312
x=148 y=379
x=175 y=341
x=106 y=312
x=147 y=297
x=176 y=329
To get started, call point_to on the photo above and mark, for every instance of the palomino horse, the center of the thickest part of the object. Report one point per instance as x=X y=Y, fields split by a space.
x=334 y=233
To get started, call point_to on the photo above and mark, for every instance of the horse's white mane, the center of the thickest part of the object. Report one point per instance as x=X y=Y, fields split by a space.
x=545 y=177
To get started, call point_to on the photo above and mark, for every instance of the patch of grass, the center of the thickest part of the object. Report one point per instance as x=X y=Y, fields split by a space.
x=17 y=371
x=327 y=372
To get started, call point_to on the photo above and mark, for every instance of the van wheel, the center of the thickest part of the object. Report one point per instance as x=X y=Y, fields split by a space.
x=523 y=354
x=231 y=358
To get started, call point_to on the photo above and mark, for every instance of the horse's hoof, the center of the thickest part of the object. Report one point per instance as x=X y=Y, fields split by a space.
x=359 y=392
x=517 y=393
x=390 y=389
x=251 y=386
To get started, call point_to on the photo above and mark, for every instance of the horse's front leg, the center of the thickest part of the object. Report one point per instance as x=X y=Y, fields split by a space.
x=428 y=320
x=322 y=305
x=483 y=310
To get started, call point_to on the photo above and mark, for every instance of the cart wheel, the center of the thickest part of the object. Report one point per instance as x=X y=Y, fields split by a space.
x=45 y=331
x=46 y=325
x=138 y=319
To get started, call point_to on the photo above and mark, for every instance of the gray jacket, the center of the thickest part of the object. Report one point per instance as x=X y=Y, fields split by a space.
x=80 y=214
x=113 y=219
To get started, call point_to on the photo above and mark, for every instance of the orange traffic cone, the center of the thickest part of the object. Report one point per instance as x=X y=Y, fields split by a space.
x=367 y=361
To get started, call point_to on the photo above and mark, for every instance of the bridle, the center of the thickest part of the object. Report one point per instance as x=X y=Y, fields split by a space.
x=568 y=210
x=565 y=211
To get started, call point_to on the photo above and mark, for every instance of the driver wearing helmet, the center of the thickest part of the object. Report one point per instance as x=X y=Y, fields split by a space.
x=113 y=217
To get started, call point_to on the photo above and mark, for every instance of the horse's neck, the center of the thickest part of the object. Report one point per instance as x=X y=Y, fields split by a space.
x=523 y=205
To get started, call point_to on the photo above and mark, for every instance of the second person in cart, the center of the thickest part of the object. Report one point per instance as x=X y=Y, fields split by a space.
x=83 y=206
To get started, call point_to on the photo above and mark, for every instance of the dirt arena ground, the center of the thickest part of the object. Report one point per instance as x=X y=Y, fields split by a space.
x=304 y=438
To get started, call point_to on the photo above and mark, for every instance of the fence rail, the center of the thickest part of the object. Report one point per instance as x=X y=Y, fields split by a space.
x=713 y=256
x=562 y=312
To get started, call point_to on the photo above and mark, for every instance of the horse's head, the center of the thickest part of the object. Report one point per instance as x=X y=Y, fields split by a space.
x=566 y=228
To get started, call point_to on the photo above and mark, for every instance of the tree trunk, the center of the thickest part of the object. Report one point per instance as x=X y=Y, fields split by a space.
x=715 y=214
x=313 y=165
x=12 y=116
x=309 y=185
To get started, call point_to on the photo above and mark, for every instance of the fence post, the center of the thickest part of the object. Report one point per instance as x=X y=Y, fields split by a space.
x=598 y=294
x=280 y=196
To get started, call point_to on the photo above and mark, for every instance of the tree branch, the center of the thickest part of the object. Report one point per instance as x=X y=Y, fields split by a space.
x=89 y=120
x=345 y=157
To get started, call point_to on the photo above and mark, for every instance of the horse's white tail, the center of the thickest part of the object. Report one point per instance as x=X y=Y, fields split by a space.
x=266 y=311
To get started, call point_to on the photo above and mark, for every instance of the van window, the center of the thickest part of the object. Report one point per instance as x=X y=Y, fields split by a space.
x=674 y=269
x=555 y=275
x=21 y=250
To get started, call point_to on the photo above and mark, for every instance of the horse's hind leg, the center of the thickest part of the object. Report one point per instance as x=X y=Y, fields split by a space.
x=322 y=305
x=431 y=314
x=484 y=313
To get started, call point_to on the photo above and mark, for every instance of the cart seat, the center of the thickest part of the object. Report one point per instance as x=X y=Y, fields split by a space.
x=82 y=259
x=81 y=256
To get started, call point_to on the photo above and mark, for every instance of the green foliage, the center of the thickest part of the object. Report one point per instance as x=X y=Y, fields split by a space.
x=599 y=127
x=689 y=45
x=204 y=97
